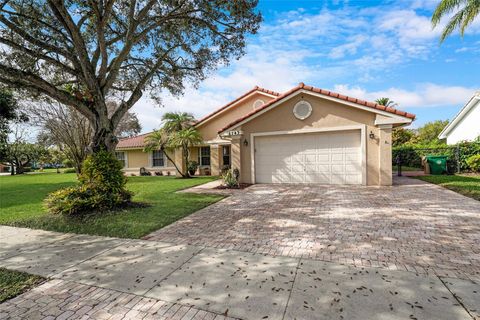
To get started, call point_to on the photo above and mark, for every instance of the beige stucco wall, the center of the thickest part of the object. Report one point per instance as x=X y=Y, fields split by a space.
x=137 y=158
x=209 y=130
x=325 y=114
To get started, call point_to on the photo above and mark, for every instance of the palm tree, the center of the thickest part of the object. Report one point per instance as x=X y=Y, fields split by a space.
x=185 y=139
x=159 y=140
x=386 y=102
x=467 y=12
x=177 y=121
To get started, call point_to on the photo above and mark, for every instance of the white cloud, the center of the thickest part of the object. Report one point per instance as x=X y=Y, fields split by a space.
x=346 y=45
x=351 y=47
x=423 y=96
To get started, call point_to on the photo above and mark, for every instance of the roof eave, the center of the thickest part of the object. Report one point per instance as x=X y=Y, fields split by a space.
x=459 y=116
x=318 y=92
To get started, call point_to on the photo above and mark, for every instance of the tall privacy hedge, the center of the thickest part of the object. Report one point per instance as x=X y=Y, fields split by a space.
x=411 y=155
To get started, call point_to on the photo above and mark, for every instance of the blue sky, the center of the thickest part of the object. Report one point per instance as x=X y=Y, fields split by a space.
x=366 y=49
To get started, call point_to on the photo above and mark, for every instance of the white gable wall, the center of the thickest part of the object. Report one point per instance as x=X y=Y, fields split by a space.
x=468 y=128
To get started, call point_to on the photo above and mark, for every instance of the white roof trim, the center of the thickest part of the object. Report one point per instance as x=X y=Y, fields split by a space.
x=460 y=115
x=401 y=119
x=234 y=104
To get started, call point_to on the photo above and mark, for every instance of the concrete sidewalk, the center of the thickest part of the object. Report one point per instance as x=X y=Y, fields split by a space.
x=109 y=278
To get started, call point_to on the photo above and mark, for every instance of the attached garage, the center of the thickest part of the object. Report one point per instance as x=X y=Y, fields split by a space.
x=334 y=157
x=311 y=135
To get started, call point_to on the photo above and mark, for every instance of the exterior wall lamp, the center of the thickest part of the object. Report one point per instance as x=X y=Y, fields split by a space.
x=245 y=142
x=371 y=135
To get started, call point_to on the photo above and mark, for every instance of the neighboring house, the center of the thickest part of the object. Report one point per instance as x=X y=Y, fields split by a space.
x=305 y=135
x=465 y=126
x=4 y=168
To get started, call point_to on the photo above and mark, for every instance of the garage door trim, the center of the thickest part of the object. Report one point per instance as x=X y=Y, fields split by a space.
x=363 y=144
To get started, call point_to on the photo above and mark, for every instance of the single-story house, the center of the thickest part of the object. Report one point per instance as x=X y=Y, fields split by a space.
x=465 y=126
x=304 y=135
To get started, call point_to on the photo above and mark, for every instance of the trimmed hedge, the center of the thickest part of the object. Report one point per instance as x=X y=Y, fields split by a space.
x=411 y=155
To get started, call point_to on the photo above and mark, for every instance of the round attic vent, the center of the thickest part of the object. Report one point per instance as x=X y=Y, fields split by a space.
x=302 y=110
x=258 y=103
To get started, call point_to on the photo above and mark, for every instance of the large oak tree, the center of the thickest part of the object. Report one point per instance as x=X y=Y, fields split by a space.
x=83 y=53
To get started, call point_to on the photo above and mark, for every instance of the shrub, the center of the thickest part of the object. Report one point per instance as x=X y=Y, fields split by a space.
x=68 y=163
x=229 y=179
x=158 y=173
x=69 y=170
x=101 y=187
x=473 y=162
x=192 y=167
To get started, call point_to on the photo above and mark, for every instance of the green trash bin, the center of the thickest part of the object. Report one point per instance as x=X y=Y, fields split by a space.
x=437 y=164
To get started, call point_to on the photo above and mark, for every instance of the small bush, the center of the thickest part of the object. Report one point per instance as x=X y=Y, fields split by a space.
x=229 y=179
x=69 y=170
x=101 y=187
x=158 y=173
x=473 y=162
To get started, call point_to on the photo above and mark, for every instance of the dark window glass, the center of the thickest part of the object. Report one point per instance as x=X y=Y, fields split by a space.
x=226 y=155
x=205 y=156
x=157 y=157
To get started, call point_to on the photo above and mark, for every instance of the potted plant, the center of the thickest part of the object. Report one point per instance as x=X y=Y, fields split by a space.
x=192 y=167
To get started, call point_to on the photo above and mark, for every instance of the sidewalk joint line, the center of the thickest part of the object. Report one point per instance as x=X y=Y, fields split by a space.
x=175 y=270
x=456 y=298
x=291 y=289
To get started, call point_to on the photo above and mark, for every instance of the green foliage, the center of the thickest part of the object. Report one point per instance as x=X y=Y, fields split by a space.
x=229 y=179
x=177 y=121
x=411 y=154
x=401 y=136
x=473 y=162
x=68 y=163
x=192 y=166
x=386 y=102
x=429 y=132
x=8 y=113
x=69 y=170
x=102 y=187
x=424 y=137
x=177 y=132
x=467 y=11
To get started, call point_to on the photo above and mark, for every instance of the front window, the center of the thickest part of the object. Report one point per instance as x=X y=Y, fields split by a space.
x=120 y=155
x=157 y=158
x=226 y=155
x=204 y=156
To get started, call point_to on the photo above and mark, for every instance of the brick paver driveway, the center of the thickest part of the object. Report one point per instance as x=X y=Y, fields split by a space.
x=411 y=226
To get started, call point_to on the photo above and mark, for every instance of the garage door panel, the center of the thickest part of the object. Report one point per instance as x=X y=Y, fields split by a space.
x=328 y=158
x=337 y=156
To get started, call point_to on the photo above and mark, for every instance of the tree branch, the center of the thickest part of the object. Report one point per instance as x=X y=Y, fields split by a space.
x=27 y=80
x=39 y=55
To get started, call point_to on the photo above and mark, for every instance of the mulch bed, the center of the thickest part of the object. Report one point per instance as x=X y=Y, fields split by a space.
x=240 y=186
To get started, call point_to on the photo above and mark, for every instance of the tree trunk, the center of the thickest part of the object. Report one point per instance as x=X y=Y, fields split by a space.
x=186 y=156
x=104 y=137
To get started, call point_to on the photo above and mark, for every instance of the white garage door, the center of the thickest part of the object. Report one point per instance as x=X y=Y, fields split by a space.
x=328 y=158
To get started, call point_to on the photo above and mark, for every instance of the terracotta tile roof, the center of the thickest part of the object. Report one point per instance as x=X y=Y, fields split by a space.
x=301 y=86
x=256 y=88
x=133 y=142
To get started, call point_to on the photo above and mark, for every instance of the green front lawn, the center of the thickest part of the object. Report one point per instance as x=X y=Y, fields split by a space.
x=21 y=204
x=467 y=185
x=13 y=283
